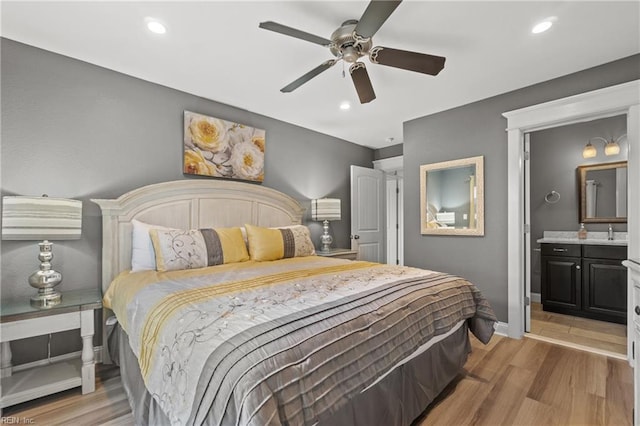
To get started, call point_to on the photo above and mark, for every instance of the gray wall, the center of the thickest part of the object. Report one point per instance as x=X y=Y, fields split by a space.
x=72 y=129
x=555 y=155
x=388 y=152
x=479 y=129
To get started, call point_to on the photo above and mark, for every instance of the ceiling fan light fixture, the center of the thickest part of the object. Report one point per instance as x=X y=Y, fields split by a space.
x=353 y=40
x=350 y=54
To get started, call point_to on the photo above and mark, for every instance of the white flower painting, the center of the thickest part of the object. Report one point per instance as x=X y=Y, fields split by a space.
x=219 y=148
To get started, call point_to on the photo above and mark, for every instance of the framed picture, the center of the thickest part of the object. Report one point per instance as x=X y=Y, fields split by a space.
x=219 y=148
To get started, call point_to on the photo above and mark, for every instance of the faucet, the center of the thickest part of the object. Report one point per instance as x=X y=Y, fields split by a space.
x=610 y=236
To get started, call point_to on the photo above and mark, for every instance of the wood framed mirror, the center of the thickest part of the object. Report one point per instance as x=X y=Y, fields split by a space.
x=452 y=197
x=603 y=193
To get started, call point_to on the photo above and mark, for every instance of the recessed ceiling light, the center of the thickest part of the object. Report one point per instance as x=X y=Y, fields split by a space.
x=542 y=26
x=156 y=27
x=345 y=105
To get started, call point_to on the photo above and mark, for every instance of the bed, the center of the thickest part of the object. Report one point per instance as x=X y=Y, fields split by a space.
x=270 y=335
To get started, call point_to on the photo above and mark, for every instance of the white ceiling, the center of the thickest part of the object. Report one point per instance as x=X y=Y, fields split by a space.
x=215 y=50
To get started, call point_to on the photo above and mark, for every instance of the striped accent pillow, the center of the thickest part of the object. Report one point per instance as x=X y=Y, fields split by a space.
x=197 y=248
x=279 y=243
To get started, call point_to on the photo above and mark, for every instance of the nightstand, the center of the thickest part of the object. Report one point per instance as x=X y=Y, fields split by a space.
x=340 y=253
x=19 y=320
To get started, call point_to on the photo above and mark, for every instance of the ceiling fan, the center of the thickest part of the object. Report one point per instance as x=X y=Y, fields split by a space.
x=352 y=41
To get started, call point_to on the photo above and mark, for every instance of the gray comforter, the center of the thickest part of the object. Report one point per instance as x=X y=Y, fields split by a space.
x=302 y=366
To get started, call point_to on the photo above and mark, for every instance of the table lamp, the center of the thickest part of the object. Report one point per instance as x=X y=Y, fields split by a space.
x=325 y=209
x=42 y=218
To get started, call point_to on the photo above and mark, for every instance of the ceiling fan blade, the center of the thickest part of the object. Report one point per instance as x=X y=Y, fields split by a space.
x=412 y=61
x=308 y=76
x=361 y=80
x=283 y=29
x=374 y=16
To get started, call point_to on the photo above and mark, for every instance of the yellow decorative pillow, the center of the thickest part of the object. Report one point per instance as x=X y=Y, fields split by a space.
x=279 y=243
x=197 y=248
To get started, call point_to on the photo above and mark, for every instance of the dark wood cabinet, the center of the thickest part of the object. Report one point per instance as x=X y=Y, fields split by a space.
x=585 y=280
x=605 y=283
x=562 y=278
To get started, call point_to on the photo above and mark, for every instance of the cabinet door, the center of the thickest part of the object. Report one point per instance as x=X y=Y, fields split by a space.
x=561 y=283
x=605 y=288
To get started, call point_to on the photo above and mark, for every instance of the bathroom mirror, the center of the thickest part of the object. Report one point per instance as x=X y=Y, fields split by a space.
x=603 y=192
x=452 y=197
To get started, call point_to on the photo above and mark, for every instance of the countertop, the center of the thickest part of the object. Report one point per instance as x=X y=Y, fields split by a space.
x=594 y=238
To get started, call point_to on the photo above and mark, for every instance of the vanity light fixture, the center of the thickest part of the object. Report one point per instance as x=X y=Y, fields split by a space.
x=611 y=147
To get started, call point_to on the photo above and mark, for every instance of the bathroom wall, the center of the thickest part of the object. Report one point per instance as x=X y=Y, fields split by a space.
x=555 y=155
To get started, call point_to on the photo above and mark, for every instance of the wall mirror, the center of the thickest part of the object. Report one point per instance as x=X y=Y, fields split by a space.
x=452 y=197
x=603 y=192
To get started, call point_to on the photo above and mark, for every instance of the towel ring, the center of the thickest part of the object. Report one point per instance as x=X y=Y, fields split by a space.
x=552 y=197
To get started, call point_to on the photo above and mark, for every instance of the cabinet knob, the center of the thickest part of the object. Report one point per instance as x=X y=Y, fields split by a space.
x=637 y=309
x=577 y=266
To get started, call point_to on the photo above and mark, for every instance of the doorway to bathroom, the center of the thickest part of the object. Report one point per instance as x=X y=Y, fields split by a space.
x=554 y=211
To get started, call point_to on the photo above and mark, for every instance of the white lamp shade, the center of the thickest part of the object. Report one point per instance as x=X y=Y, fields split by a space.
x=41 y=218
x=325 y=209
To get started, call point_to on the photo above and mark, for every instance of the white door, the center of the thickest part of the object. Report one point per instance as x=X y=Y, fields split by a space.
x=367 y=213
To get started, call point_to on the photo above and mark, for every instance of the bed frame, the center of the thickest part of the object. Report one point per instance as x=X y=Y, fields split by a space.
x=189 y=204
x=186 y=204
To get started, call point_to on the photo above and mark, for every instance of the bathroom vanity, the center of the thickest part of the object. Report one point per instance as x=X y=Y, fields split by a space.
x=585 y=277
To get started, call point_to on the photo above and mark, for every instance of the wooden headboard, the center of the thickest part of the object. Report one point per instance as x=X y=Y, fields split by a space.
x=188 y=204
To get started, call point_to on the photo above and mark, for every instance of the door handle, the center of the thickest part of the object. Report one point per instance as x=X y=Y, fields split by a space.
x=356 y=237
x=637 y=309
x=560 y=249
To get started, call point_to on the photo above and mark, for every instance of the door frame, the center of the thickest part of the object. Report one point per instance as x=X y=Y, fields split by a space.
x=621 y=99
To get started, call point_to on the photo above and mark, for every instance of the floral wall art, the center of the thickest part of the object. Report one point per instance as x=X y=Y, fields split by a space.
x=219 y=148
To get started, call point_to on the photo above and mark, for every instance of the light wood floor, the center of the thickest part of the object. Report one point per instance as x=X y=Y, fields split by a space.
x=508 y=382
x=606 y=336
x=530 y=382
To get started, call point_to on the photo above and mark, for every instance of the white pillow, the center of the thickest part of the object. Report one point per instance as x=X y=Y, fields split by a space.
x=143 y=257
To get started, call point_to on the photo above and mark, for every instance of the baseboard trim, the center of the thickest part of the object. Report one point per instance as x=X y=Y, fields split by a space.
x=97 y=357
x=536 y=297
x=502 y=328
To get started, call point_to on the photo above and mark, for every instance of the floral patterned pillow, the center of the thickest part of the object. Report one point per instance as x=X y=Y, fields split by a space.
x=279 y=243
x=197 y=248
